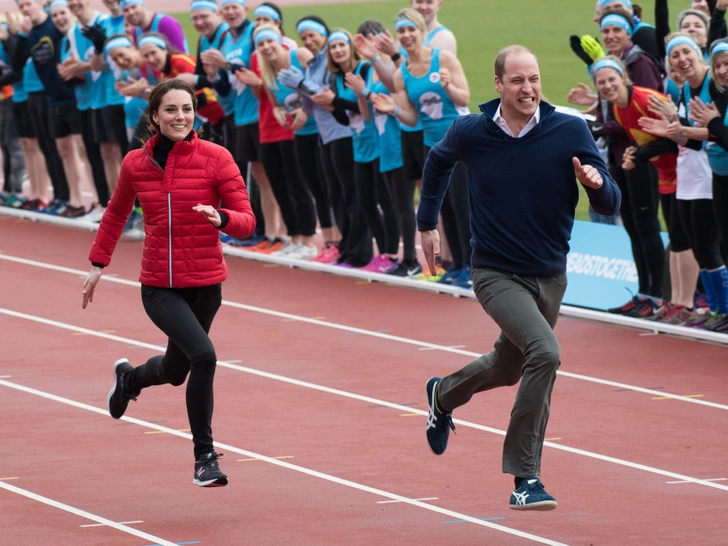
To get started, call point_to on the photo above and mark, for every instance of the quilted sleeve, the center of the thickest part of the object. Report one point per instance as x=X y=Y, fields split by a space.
x=116 y=215
x=234 y=195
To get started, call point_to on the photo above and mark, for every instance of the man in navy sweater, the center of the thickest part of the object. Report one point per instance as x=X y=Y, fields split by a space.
x=524 y=160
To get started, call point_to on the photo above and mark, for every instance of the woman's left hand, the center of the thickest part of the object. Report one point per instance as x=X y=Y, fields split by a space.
x=702 y=113
x=89 y=285
x=210 y=213
x=355 y=82
x=324 y=98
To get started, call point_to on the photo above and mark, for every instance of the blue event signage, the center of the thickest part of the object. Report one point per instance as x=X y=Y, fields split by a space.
x=600 y=266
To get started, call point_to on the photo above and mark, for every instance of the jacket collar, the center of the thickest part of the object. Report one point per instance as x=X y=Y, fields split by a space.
x=489 y=109
x=184 y=146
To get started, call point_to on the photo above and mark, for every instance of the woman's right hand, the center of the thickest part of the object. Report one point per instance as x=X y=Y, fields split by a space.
x=581 y=96
x=89 y=285
x=384 y=103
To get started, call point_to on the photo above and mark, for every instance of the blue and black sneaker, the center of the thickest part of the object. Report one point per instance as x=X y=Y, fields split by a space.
x=439 y=422
x=531 y=495
x=119 y=395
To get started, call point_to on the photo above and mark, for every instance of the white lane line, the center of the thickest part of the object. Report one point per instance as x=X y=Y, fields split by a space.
x=707 y=480
x=104 y=525
x=276 y=462
x=84 y=514
x=394 y=501
x=398 y=339
x=369 y=400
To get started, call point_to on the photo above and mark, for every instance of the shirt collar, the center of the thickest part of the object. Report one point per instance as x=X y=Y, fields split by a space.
x=530 y=124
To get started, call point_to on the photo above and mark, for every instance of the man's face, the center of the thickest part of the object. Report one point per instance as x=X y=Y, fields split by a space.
x=133 y=14
x=520 y=87
x=78 y=6
x=29 y=8
x=205 y=21
x=427 y=8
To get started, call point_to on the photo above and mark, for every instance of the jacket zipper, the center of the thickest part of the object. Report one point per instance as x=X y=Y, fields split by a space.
x=169 y=219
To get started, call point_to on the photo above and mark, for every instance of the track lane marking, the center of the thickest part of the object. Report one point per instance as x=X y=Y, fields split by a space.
x=84 y=514
x=264 y=458
x=380 y=335
x=369 y=400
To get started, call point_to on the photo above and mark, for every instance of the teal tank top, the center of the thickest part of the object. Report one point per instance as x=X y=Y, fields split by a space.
x=363 y=133
x=291 y=100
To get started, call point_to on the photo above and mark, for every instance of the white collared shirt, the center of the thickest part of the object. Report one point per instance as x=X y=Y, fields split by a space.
x=535 y=118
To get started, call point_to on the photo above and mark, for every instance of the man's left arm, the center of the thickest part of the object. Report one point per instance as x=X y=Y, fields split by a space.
x=593 y=174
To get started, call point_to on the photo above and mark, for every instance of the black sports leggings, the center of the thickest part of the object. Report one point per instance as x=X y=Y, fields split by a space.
x=291 y=193
x=455 y=212
x=185 y=316
x=639 y=216
x=309 y=167
x=372 y=195
x=403 y=195
x=720 y=211
x=697 y=218
x=337 y=161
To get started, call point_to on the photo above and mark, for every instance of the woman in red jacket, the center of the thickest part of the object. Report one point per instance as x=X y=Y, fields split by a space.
x=180 y=182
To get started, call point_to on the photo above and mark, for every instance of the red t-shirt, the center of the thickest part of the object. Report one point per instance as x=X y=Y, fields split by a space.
x=270 y=129
x=666 y=164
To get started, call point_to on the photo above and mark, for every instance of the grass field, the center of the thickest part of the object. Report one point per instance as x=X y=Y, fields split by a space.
x=482 y=28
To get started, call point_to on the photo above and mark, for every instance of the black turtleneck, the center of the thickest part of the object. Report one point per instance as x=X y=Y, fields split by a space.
x=161 y=152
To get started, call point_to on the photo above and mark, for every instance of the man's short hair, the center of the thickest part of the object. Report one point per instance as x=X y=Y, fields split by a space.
x=503 y=54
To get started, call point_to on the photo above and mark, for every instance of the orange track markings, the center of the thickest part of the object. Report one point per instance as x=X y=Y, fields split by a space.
x=8 y=479
x=85 y=334
x=296 y=320
x=411 y=415
x=165 y=432
x=254 y=459
x=685 y=395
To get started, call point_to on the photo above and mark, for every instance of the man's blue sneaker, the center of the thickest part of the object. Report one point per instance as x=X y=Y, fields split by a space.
x=439 y=422
x=532 y=496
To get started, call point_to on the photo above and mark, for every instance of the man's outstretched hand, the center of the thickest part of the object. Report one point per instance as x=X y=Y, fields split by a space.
x=587 y=175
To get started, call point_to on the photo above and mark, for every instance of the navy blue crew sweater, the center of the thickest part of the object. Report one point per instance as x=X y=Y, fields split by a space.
x=523 y=191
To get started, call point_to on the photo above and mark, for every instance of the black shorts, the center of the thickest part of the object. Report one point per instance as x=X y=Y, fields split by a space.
x=107 y=123
x=64 y=121
x=413 y=154
x=23 y=123
x=247 y=146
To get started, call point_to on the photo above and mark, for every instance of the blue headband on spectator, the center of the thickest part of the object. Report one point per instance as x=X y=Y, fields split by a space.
x=267 y=34
x=58 y=3
x=268 y=12
x=310 y=24
x=404 y=22
x=603 y=3
x=606 y=63
x=720 y=47
x=203 y=4
x=338 y=35
x=154 y=40
x=238 y=2
x=121 y=41
x=616 y=20
x=125 y=3
x=682 y=40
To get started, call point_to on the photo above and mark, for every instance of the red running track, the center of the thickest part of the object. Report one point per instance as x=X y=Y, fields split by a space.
x=320 y=412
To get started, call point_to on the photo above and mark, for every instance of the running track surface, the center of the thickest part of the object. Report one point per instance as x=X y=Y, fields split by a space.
x=320 y=413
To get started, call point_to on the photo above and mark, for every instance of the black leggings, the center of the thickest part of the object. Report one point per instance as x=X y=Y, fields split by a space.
x=309 y=167
x=38 y=109
x=337 y=161
x=402 y=191
x=372 y=195
x=93 y=152
x=639 y=216
x=291 y=193
x=455 y=212
x=679 y=241
x=185 y=316
x=697 y=218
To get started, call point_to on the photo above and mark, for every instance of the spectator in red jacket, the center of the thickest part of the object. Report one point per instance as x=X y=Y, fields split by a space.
x=180 y=182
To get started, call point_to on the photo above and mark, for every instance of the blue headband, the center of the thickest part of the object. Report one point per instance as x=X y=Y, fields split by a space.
x=121 y=41
x=310 y=24
x=606 y=63
x=338 y=35
x=404 y=22
x=267 y=34
x=125 y=3
x=720 y=47
x=238 y=2
x=154 y=40
x=203 y=4
x=682 y=40
x=603 y=3
x=58 y=3
x=267 y=11
x=616 y=20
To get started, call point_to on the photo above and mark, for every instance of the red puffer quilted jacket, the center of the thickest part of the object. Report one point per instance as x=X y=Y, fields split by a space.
x=181 y=248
